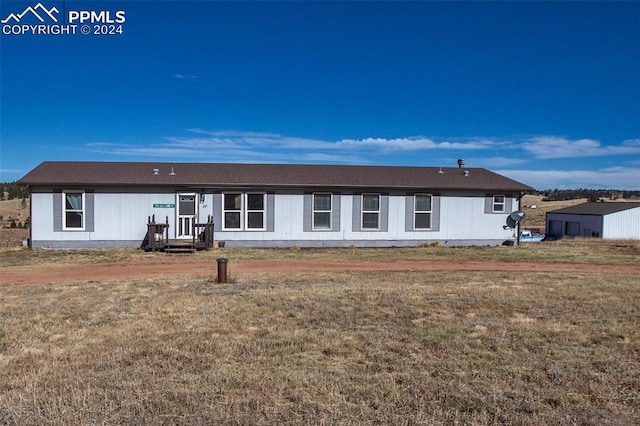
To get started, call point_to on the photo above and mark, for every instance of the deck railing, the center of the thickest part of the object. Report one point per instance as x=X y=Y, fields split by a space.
x=203 y=234
x=158 y=236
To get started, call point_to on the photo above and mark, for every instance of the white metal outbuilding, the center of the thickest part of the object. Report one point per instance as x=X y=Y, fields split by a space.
x=611 y=221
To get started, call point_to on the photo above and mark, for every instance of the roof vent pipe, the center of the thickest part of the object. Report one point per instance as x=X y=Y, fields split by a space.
x=155 y=172
x=172 y=173
x=465 y=173
x=460 y=162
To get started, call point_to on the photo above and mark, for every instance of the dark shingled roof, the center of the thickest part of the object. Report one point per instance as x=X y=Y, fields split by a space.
x=596 y=209
x=196 y=175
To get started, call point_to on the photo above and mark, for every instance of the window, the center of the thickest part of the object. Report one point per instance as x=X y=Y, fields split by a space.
x=187 y=205
x=244 y=211
x=73 y=210
x=370 y=211
x=255 y=211
x=321 y=211
x=232 y=209
x=498 y=203
x=422 y=211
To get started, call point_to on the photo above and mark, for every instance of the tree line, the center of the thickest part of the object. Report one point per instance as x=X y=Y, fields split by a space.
x=11 y=190
x=590 y=194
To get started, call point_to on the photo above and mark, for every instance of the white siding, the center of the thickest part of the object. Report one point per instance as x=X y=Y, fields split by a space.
x=622 y=225
x=120 y=219
x=462 y=217
x=42 y=216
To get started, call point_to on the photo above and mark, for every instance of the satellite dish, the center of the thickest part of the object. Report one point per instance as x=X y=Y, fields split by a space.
x=514 y=218
x=518 y=215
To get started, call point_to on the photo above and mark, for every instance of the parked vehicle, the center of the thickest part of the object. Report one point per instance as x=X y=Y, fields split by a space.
x=527 y=236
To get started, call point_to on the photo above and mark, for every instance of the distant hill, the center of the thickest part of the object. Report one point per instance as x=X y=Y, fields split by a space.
x=589 y=194
x=14 y=214
x=11 y=190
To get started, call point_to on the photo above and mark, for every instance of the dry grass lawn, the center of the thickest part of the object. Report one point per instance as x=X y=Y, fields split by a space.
x=592 y=251
x=344 y=348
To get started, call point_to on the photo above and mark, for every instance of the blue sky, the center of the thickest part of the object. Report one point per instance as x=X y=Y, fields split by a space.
x=547 y=93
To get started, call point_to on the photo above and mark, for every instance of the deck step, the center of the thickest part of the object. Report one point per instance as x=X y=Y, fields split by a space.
x=179 y=250
x=179 y=246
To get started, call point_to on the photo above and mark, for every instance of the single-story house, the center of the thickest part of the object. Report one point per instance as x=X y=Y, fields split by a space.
x=107 y=204
x=616 y=220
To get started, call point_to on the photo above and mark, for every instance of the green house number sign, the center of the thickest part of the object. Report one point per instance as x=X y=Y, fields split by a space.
x=164 y=206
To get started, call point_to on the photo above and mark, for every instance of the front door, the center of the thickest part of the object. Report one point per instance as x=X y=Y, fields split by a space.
x=187 y=215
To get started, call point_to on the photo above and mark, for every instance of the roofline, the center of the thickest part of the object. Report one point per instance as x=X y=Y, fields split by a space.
x=625 y=206
x=279 y=186
x=583 y=214
x=509 y=186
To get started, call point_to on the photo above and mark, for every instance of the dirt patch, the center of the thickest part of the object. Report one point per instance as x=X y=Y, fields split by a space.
x=12 y=237
x=181 y=267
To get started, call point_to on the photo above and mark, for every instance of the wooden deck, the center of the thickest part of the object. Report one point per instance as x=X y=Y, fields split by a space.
x=157 y=238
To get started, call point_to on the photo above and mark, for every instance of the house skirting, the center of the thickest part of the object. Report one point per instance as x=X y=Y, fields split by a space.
x=84 y=244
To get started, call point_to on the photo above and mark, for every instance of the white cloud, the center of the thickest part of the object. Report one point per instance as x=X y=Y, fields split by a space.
x=547 y=147
x=231 y=133
x=221 y=140
x=239 y=146
x=228 y=140
x=231 y=147
x=186 y=77
x=413 y=144
x=403 y=144
x=141 y=151
x=493 y=162
x=263 y=147
x=332 y=158
x=607 y=178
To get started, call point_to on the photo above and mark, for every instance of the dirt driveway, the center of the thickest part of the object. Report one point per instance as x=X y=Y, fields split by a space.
x=154 y=268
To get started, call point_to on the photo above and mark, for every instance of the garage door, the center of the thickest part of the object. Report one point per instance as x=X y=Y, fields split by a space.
x=572 y=229
x=555 y=228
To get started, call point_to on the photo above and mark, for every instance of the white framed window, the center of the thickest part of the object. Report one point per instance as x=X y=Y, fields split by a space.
x=422 y=211
x=73 y=210
x=322 y=203
x=255 y=211
x=498 y=204
x=232 y=211
x=244 y=211
x=370 y=211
